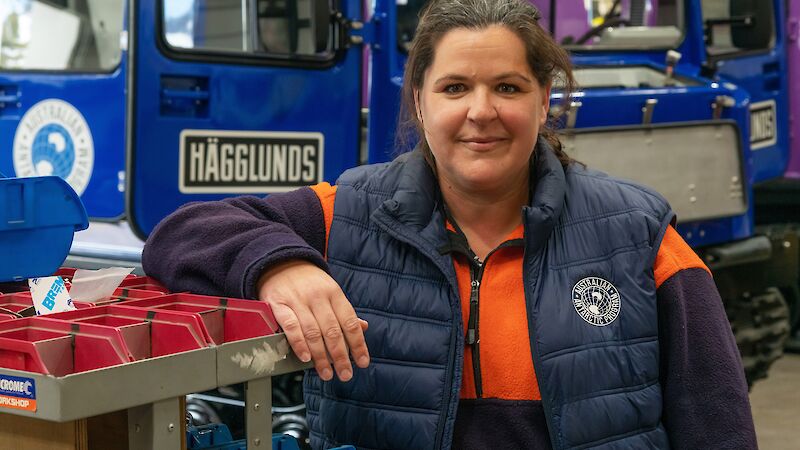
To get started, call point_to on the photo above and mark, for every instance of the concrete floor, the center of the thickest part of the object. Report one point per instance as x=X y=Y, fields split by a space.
x=776 y=406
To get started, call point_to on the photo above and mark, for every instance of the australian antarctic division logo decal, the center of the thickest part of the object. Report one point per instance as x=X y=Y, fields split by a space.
x=596 y=301
x=53 y=139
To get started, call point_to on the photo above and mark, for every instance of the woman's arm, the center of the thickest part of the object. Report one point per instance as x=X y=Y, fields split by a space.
x=270 y=249
x=222 y=247
x=706 y=403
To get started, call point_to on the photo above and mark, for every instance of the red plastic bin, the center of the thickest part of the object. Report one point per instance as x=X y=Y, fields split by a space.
x=14 y=286
x=125 y=294
x=51 y=347
x=4 y=316
x=22 y=303
x=67 y=273
x=147 y=334
x=224 y=319
x=144 y=283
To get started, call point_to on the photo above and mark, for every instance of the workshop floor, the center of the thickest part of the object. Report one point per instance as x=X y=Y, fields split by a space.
x=776 y=406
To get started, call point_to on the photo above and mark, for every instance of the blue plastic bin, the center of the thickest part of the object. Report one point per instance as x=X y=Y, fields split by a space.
x=216 y=436
x=38 y=219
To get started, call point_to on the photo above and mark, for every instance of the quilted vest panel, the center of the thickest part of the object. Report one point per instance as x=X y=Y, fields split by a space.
x=593 y=313
x=400 y=284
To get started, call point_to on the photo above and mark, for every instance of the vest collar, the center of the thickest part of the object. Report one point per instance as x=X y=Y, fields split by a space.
x=417 y=197
x=547 y=200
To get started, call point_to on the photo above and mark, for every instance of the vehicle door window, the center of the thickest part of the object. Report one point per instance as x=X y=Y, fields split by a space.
x=616 y=24
x=736 y=26
x=587 y=25
x=61 y=35
x=277 y=28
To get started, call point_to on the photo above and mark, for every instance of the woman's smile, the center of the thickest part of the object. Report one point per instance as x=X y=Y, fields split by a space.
x=483 y=143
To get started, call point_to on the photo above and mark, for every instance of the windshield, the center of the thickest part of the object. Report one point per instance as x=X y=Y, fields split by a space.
x=61 y=35
x=279 y=28
x=587 y=24
x=613 y=24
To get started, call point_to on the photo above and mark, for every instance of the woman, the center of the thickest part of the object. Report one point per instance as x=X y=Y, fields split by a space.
x=514 y=298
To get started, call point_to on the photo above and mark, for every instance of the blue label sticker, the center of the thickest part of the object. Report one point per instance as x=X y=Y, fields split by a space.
x=17 y=387
x=17 y=393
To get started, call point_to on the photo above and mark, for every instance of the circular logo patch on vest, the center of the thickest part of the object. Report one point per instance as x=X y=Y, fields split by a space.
x=596 y=301
x=53 y=139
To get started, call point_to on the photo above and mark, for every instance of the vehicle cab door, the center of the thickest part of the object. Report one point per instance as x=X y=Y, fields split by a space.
x=62 y=88
x=746 y=45
x=248 y=97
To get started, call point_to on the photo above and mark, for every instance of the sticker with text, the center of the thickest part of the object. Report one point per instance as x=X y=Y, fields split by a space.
x=50 y=295
x=17 y=393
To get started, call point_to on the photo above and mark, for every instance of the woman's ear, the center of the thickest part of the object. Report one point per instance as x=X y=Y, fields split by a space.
x=417 y=105
x=545 y=103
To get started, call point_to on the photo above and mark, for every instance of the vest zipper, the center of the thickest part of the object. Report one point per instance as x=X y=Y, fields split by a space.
x=476 y=269
x=530 y=289
x=437 y=442
x=473 y=336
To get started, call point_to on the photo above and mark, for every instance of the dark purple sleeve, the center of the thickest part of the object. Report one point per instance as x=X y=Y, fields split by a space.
x=222 y=247
x=706 y=403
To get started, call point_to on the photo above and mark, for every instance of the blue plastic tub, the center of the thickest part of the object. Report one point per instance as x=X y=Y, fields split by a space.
x=38 y=219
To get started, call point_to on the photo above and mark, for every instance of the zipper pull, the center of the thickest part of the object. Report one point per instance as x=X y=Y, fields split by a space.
x=471 y=337
x=472 y=328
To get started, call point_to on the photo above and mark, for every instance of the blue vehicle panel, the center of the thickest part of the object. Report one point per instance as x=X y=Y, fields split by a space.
x=691 y=101
x=217 y=112
x=386 y=78
x=762 y=75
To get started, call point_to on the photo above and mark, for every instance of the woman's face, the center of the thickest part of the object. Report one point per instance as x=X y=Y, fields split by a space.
x=481 y=108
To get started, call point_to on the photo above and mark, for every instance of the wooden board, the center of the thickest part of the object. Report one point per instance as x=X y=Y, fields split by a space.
x=103 y=432
x=25 y=433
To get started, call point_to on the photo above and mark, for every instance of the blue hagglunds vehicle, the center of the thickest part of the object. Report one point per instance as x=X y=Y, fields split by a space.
x=145 y=106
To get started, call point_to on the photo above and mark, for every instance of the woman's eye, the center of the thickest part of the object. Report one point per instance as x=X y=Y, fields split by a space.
x=506 y=88
x=454 y=88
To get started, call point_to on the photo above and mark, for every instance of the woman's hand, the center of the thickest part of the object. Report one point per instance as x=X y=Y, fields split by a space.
x=315 y=315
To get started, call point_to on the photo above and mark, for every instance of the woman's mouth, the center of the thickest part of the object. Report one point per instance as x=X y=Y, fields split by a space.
x=481 y=143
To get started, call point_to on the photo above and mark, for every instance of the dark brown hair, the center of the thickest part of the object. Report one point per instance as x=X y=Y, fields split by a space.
x=547 y=60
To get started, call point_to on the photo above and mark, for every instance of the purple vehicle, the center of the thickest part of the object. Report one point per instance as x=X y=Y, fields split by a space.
x=793 y=56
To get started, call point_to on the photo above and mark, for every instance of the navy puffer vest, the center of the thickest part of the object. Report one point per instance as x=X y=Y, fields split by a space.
x=590 y=244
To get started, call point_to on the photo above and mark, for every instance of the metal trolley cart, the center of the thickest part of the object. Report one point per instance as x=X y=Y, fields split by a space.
x=113 y=374
x=137 y=358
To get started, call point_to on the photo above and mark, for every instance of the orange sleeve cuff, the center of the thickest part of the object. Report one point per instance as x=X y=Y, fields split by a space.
x=674 y=255
x=327 y=196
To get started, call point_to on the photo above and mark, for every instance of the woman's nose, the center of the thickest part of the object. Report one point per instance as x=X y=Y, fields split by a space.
x=481 y=107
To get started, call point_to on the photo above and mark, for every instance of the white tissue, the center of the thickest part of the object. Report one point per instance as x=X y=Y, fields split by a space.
x=92 y=285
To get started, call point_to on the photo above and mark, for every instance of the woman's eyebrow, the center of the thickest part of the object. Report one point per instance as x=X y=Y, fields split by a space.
x=451 y=77
x=503 y=76
x=507 y=75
